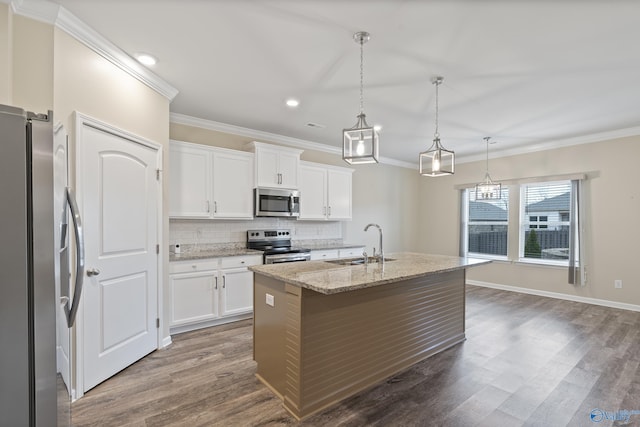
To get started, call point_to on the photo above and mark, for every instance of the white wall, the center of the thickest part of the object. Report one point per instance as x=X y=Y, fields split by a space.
x=612 y=206
x=86 y=82
x=6 y=54
x=388 y=196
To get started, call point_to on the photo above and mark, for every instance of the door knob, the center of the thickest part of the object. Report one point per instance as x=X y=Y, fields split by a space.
x=93 y=272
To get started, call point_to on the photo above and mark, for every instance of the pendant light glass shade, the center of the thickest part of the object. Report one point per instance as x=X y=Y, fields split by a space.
x=487 y=189
x=360 y=142
x=437 y=160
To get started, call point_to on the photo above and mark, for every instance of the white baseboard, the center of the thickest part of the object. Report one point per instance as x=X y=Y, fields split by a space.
x=166 y=341
x=216 y=322
x=557 y=295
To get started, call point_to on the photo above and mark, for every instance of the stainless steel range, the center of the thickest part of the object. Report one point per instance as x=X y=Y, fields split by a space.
x=276 y=245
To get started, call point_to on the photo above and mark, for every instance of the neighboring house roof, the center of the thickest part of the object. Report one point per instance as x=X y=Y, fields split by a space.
x=483 y=211
x=560 y=203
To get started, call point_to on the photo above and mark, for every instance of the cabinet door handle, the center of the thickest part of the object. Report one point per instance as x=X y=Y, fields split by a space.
x=215 y=207
x=208 y=206
x=329 y=210
x=216 y=282
x=224 y=281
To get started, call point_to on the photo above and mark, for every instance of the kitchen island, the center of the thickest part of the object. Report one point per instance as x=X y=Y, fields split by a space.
x=326 y=330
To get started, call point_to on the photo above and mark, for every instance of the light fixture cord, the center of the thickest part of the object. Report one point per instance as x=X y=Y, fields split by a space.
x=487 y=164
x=361 y=73
x=437 y=134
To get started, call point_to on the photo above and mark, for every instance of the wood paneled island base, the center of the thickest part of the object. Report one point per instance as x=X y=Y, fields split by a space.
x=314 y=350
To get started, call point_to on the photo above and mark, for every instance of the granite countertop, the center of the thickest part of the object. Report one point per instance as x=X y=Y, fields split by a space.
x=329 y=278
x=212 y=253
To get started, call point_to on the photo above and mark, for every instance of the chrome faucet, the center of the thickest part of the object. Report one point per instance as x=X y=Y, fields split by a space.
x=381 y=250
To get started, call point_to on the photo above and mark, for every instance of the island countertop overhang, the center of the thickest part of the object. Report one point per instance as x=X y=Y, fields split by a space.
x=328 y=278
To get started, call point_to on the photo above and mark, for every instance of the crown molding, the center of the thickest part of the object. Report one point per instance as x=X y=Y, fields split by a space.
x=183 y=119
x=554 y=144
x=300 y=143
x=61 y=18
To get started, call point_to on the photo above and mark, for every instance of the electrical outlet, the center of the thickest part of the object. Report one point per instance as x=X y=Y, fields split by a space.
x=617 y=284
x=270 y=300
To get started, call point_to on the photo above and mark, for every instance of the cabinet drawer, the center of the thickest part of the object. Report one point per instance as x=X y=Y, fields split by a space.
x=240 y=261
x=325 y=254
x=190 y=266
x=351 y=252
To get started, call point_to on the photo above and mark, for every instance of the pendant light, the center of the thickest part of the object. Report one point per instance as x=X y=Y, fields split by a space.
x=360 y=143
x=488 y=189
x=437 y=160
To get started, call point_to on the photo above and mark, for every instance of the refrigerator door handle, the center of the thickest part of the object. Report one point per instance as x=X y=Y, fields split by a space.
x=72 y=310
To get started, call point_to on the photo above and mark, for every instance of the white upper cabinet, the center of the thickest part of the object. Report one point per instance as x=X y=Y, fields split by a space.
x=275 y=166
x=313 y=192
x=339 y=197
x=232 y=185
x=189 y=181
x=325 y=192
x=206 y=182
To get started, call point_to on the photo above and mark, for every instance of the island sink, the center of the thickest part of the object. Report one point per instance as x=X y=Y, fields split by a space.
x=358 y=260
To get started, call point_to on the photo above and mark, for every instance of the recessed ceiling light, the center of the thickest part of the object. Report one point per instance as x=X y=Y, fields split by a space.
x=293 y=103
x=146 y=59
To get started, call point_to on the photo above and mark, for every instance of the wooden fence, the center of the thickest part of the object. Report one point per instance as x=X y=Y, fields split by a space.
x=495 y=242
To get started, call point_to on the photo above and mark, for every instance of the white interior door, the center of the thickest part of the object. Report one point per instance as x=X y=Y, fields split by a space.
x=119 y=198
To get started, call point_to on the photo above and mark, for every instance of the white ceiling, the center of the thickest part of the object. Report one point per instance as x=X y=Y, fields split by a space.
x=526 y=73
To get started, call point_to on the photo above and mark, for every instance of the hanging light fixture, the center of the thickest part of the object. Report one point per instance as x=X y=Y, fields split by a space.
x=360 y=143
x=437 y=160
x=488 y=189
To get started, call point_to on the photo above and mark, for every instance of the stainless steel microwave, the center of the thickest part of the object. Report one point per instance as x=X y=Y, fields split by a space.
x=277 y=202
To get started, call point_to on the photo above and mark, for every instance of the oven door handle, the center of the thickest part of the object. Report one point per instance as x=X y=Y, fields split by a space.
x=282 y=259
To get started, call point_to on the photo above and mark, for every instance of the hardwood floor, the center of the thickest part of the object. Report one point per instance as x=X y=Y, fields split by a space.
x=527 y=361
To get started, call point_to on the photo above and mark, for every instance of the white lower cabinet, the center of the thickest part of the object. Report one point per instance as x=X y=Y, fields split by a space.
x=194 y=297
x=210 y=292
x=351 y=252
x=237 y=292
x=322 y=254
x=319 y=255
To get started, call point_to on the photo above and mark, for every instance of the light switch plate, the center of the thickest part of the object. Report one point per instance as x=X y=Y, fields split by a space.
x=270 y=300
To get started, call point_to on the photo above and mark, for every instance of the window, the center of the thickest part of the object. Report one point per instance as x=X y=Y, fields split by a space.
x=486 y=224
x=548 y=231
x=545 y=221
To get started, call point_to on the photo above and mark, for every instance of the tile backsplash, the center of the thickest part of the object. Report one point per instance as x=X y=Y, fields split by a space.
x=208 y=232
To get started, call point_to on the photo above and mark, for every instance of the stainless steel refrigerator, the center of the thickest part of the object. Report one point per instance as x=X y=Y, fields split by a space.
x=38 y=302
